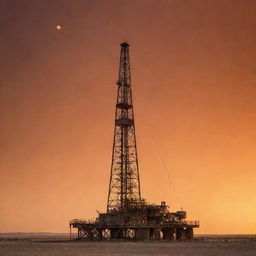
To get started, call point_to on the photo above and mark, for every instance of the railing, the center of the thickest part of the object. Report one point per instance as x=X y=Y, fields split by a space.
x=82 y=221
x=191 y=222
x=181 y=222
x=134 y=222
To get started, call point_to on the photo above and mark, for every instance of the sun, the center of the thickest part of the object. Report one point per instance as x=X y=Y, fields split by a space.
x=58 y=27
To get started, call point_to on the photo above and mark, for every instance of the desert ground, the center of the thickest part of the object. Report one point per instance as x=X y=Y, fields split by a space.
x=59 y=245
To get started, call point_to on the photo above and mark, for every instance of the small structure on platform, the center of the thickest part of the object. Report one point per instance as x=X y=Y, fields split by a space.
x=128 y=216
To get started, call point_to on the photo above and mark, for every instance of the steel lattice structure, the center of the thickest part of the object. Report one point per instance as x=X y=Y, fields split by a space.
x=124 y=184
x=128 y=215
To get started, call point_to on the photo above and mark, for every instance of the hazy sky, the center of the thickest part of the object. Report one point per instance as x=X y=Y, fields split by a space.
x=194 y=87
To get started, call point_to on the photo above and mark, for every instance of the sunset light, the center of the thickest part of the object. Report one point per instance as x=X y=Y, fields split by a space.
x=188 y=70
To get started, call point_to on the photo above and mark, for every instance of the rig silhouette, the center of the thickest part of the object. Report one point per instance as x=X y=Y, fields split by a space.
x=128 y=216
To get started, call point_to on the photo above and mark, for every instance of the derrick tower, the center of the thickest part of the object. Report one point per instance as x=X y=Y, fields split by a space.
x=128 y=216
x=124 y=184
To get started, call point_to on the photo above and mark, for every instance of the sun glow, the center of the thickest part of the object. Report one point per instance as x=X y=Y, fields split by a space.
x=58 y=27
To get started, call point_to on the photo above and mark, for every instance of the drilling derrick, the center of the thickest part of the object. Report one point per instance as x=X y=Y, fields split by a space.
x=129 y=216
x=124 y=185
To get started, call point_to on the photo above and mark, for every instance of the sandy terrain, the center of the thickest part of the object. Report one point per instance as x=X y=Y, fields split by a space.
x=57 y=246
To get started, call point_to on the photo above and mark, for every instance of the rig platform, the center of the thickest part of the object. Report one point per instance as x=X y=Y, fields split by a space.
x=129 y=216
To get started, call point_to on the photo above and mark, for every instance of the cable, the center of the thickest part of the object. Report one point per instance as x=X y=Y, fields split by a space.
x=171 y=185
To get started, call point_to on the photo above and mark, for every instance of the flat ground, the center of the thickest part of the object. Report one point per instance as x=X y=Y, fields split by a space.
x=61 y=247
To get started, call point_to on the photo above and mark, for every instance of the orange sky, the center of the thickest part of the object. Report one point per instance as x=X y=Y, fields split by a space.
x=194 y=88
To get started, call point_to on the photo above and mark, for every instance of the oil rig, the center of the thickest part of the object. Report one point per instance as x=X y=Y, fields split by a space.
x=128 y=215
